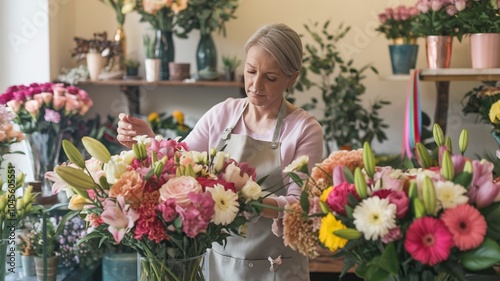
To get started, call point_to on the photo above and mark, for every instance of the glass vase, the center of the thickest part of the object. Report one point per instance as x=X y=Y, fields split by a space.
x=206 y=53
x=164 y=50
x=188 y=269
x=119 y=267
x=45 y=148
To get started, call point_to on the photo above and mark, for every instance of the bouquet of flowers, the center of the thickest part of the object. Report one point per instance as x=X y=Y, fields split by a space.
x=396 y=24
x=480 y=16
x=8 y=135
x=46 y=107
x=412 y=224
x=160 y=199
x=485 y=103
x=437 y=17
x=160 y=14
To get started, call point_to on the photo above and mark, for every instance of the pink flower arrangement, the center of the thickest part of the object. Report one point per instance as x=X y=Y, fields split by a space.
x=8 y=135
x=397 y=23
x=46 y=107
x=160 y=198
x=437 y=17
x=437 y=220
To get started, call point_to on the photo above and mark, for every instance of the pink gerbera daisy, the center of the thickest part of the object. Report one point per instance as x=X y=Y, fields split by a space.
x=428 y=241
x=466 y=224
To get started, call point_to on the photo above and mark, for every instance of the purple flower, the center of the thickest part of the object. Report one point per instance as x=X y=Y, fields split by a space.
x=52 y=116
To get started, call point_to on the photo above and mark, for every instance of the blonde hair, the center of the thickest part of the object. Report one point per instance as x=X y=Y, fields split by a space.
x=282 y=42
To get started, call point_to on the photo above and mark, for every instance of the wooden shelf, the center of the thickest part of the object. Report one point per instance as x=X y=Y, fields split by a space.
x=460 y=74
x=131 y=88
x=233 y=84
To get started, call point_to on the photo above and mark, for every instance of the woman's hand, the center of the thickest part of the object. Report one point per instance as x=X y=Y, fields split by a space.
x=129 y=127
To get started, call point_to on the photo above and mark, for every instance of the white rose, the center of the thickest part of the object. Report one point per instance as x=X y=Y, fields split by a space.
x=298 y=165
x=114 y=169
x=232 y=174
x=251 y=191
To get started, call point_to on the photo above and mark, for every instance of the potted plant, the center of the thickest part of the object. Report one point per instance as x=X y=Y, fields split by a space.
x=152 y=62
x=207 y=16
x=98 y=51
x=345 y=121
x=26 y=241
x=481 y=20
x=132 y=68
x=45 y=247
x=230 y=63
x=437 y=23
x=396 y=25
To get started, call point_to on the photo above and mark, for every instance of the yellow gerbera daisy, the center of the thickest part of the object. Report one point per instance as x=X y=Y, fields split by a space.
x=324 y=194
x=329 y=224
x=154 y=116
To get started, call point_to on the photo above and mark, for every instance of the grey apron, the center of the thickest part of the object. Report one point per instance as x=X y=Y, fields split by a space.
x=251 y=258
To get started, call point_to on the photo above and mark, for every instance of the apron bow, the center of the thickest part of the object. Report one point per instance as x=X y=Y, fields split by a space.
x=274 y=263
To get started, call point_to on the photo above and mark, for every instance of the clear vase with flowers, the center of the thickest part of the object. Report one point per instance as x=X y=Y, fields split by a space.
x=162 y=200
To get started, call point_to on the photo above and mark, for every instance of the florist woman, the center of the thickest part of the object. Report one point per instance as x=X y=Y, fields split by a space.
x=267 y=132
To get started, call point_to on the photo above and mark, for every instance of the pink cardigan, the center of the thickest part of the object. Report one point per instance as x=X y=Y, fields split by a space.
x=301 y=134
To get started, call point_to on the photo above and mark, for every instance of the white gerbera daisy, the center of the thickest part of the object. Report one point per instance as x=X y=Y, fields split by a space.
x=226 y=204
x=298 y=165
x=450 y=195
x=374 y=217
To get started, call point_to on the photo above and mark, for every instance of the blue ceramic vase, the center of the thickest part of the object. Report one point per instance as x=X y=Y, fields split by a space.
x=403 y=58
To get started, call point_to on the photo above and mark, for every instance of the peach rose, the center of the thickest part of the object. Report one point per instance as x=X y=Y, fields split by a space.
x=33 y=107
x=58 y=102
x=178 y=189
x=47 y=97
x=15 y=105
x=3 y=136
x=131 y=186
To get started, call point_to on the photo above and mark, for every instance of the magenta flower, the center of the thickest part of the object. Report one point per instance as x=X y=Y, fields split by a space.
x=167 y=210
x=466 y=224
x=337 y=199
x=52 y=116
x=428 y=241
x=401 y=201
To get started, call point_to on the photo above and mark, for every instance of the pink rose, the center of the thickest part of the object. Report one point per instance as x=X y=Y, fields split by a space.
x=460 y=5
x=436 y=5
x=15 y=105
x=179 y=189
x=47 y=97
x=3 y=136
x=38 y=98
x=72 y=106
x=33 y=107
x=451 y=10
x=59 y=101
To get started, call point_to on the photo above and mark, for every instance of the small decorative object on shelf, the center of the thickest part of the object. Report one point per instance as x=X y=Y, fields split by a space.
x=132 y=69
x=179 y=71
x=161 y=200
x=99 y=52
x=397 y=25
x=229 y=65
x=435 y=222
x=152 y=63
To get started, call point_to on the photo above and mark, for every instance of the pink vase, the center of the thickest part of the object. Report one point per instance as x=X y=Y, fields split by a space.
x=485 y=50
x=438 y=50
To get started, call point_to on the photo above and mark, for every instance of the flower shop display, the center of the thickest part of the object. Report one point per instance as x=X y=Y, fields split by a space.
x=346 y=122
x=397 y=25
x=484 y=102
x=207 y=16
x=8 y=135
x=162 y=16
x=439 y=220
x=437 y=23
x=162 y=200
x=481 y=20
x=169 y=126
x=45 y=112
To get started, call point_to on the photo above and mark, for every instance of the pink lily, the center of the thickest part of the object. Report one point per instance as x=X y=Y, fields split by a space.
x=119 y=217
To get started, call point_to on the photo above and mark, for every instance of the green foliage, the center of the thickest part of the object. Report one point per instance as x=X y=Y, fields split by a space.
x=132 y=63
x=435 y=23
x=345 y=120
x=207 y=15
x=230 y=63
x=478 y=17
x=149 y=46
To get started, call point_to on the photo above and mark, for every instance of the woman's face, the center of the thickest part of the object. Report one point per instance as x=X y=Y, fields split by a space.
x=265 y=82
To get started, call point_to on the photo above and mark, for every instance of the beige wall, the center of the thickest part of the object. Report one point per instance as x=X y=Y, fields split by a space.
x=82 y=18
